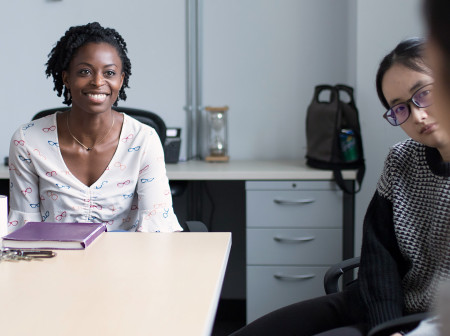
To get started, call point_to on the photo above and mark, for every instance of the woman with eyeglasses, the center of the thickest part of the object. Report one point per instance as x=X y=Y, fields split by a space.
x=404 y=251
x=412 y=194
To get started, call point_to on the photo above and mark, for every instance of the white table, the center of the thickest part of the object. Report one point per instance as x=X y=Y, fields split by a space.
x=122 y=284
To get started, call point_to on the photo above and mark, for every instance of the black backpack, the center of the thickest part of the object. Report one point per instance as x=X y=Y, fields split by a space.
x=333 y=134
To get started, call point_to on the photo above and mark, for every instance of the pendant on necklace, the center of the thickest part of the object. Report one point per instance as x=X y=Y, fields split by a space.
x=89 y=148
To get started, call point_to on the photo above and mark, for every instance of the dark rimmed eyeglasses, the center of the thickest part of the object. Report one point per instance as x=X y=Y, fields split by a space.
x=400 y=112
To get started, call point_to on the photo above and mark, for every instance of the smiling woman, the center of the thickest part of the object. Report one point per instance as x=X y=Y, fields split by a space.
x=91 y=159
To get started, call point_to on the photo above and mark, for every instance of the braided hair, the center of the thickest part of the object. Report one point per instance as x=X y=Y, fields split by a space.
x=75 y=37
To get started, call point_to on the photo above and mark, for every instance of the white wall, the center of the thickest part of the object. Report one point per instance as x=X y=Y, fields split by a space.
x=380 y=25
x=263 y=59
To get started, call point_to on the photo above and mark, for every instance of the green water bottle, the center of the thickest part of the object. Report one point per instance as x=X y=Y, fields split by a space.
x=348 y=145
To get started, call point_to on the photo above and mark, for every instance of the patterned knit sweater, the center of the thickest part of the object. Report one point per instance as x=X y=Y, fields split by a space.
x=406 y=252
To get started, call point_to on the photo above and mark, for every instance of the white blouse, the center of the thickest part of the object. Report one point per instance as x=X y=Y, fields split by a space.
x=132 y=194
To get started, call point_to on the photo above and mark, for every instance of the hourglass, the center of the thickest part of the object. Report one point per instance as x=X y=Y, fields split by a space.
x=217 y=134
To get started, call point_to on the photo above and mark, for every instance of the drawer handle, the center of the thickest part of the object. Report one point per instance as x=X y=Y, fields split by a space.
x=295 y=277
x=294 y=202
x=293 y=239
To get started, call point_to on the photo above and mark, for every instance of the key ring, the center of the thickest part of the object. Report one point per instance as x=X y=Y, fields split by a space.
x=15 y=255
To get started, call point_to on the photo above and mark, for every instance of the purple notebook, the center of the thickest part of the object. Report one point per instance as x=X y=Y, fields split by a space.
x=46 y=235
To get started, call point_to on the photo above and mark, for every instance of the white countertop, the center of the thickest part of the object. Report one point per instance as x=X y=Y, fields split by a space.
x=249 y=170
x=241 y=170
x=4 y=172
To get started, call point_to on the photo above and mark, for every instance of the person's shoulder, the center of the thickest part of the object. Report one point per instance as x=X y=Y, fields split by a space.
x=405 y=158
x=32 y=126
x=400 y=166
x=406 y=149
x=47 y=118
x=134 y=124
x=139 y=129
x=407 y=144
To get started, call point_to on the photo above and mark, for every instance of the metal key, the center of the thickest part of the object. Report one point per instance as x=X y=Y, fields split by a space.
x=15 y=255
x=37 y=254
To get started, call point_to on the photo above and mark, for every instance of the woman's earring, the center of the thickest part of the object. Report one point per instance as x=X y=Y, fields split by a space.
x=67 y=93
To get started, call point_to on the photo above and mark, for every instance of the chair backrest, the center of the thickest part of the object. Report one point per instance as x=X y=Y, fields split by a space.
x=145 y=117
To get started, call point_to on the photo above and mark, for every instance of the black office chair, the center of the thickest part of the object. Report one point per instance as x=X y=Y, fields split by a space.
x=145 y=117
x=333 y=284
x=194 y=226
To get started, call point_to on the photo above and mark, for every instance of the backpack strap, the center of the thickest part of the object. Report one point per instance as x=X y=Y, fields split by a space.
x=349 y=91
x=337 y=173
x=321 y=88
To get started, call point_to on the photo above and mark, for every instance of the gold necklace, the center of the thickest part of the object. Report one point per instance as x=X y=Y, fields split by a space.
x=96 y=142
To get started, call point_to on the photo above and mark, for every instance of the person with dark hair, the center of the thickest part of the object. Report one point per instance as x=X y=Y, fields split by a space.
x=91 y=163
x=406 y=53
x=403 y=257
x=63 y=52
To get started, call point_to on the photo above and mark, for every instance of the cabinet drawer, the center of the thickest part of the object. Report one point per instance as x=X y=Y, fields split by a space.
x=291 y=185
x=270 y=288
x=294 y=208
x=294 y=246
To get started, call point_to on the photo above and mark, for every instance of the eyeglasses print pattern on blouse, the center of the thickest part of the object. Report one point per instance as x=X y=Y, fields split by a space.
x=124 y=183
x=13 y=168
x=120 y=166
x=27 y=191
x=21 y=158
x=13 y=223
x=128 y=137
x=134 y=149
x=19 y=142
x=46 y=215
x=162 y=210
x=52 y=143
x=143 y=169
x=49 y=129
x=52 y=195
x=39 y=153
x=101 y=185
x=24 y=128
x=61 y=216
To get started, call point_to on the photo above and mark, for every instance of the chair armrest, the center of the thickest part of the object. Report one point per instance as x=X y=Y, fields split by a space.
x=331 y=278
x=196 y=226
x=404 y=323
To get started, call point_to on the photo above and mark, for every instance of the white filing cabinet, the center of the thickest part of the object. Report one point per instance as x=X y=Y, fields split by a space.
x=294 y=233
